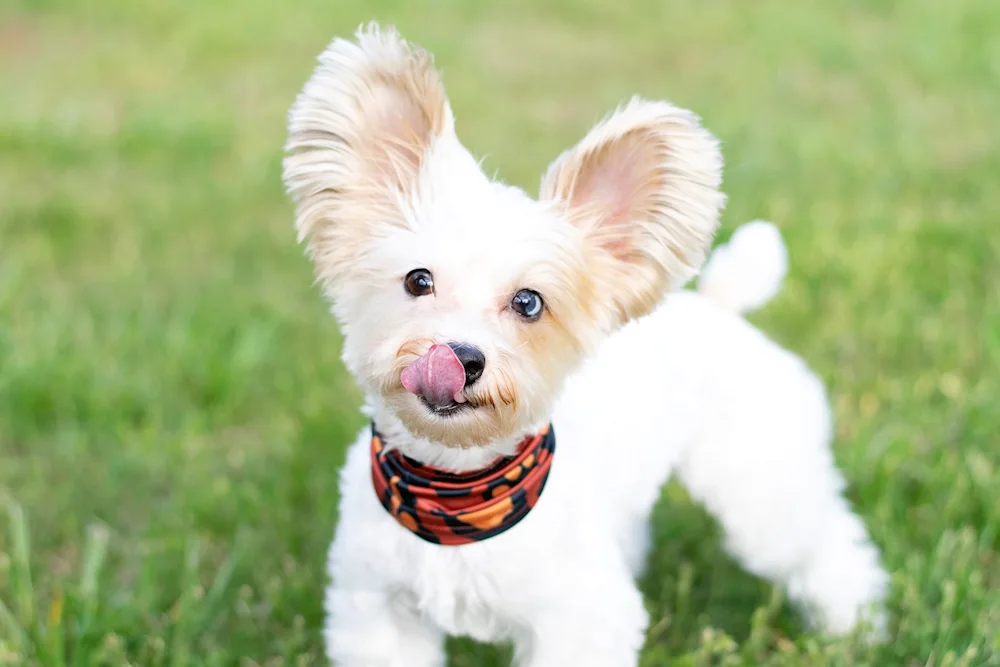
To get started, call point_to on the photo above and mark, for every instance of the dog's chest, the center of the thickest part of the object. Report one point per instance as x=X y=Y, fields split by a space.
x=458 y=590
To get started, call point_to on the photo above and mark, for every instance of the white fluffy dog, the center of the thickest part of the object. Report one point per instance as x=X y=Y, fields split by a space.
x=475 y=316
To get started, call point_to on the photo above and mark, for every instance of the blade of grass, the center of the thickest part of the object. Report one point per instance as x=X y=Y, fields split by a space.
x=54 y=631
x=21 y=583
x=13 y=632
x=94 y=554
x=24 y=596
x=211 y=615
x=180 y=644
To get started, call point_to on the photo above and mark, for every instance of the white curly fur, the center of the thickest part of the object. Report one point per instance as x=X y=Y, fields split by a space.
x=641 y=380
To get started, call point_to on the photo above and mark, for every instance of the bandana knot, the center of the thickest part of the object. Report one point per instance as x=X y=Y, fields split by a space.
x=458 y=508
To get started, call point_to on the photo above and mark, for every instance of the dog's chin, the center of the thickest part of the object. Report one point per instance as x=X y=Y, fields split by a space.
x=447 y=410
x=453 y=424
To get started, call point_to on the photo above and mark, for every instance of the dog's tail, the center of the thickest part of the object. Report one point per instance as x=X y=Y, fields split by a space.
x=747 y=272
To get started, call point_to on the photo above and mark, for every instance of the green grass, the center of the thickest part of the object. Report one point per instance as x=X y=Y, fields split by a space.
x=172 y=408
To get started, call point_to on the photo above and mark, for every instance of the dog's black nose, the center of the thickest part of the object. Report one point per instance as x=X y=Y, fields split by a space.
x=473 y=360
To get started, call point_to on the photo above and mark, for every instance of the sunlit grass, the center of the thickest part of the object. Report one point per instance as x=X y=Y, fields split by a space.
x=172 y=406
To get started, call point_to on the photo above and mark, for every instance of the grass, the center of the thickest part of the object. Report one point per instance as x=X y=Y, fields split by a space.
x=172 y=408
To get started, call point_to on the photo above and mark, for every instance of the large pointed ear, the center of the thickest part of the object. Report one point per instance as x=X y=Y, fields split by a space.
x=358 y=134
x=643 y=187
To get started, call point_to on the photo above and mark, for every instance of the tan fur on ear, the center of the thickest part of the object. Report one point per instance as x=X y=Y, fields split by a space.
x=357 y=135
x=643 y=186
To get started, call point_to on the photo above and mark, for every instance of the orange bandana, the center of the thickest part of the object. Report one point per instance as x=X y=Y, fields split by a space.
x=449 y=508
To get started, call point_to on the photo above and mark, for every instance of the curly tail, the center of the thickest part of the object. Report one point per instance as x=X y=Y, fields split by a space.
x=747 y=272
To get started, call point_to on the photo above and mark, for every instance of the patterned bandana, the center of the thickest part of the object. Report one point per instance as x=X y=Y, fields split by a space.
x=449 y=508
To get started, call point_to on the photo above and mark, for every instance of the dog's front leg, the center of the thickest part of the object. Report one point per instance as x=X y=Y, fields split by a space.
x=597 y=627
x=366 y=628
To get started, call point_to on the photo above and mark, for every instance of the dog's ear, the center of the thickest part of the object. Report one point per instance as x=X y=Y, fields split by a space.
x=643 y=187
x=358 y=134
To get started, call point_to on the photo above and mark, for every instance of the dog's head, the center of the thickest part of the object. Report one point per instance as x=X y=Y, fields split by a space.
x=464 y=303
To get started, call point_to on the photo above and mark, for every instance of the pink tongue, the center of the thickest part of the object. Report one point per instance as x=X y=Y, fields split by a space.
x=438 y=376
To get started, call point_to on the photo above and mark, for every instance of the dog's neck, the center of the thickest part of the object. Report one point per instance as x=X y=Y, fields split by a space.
x=438 y=455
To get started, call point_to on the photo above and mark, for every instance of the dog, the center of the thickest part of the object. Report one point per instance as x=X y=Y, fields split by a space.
x=534 y=372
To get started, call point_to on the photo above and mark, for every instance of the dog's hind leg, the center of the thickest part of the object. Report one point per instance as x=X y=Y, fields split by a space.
x=764 y=468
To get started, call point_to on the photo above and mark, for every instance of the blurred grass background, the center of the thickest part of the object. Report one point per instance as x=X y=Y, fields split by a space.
x=172 y=408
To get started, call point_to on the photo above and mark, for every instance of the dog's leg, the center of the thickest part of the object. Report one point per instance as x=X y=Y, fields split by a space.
x=765 y=469
x=364 y=629
x=598 y=624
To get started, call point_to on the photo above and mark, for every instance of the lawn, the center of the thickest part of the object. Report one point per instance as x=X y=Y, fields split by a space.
x=172 y=407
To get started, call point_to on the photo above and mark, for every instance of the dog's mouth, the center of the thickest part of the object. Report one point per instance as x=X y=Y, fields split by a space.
x=438 y=379
x=447 y=409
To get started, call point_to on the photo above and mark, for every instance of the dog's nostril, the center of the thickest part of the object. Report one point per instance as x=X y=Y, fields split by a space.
x=473 y=360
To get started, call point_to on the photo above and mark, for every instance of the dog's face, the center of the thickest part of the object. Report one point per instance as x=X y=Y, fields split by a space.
x=463 y=302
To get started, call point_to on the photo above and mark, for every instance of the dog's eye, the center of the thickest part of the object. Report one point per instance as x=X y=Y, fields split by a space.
x=419 y=282
x=528 y=304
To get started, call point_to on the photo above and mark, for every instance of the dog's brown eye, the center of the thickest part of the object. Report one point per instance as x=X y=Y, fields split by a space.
x=528 y=304
x=419 y=282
